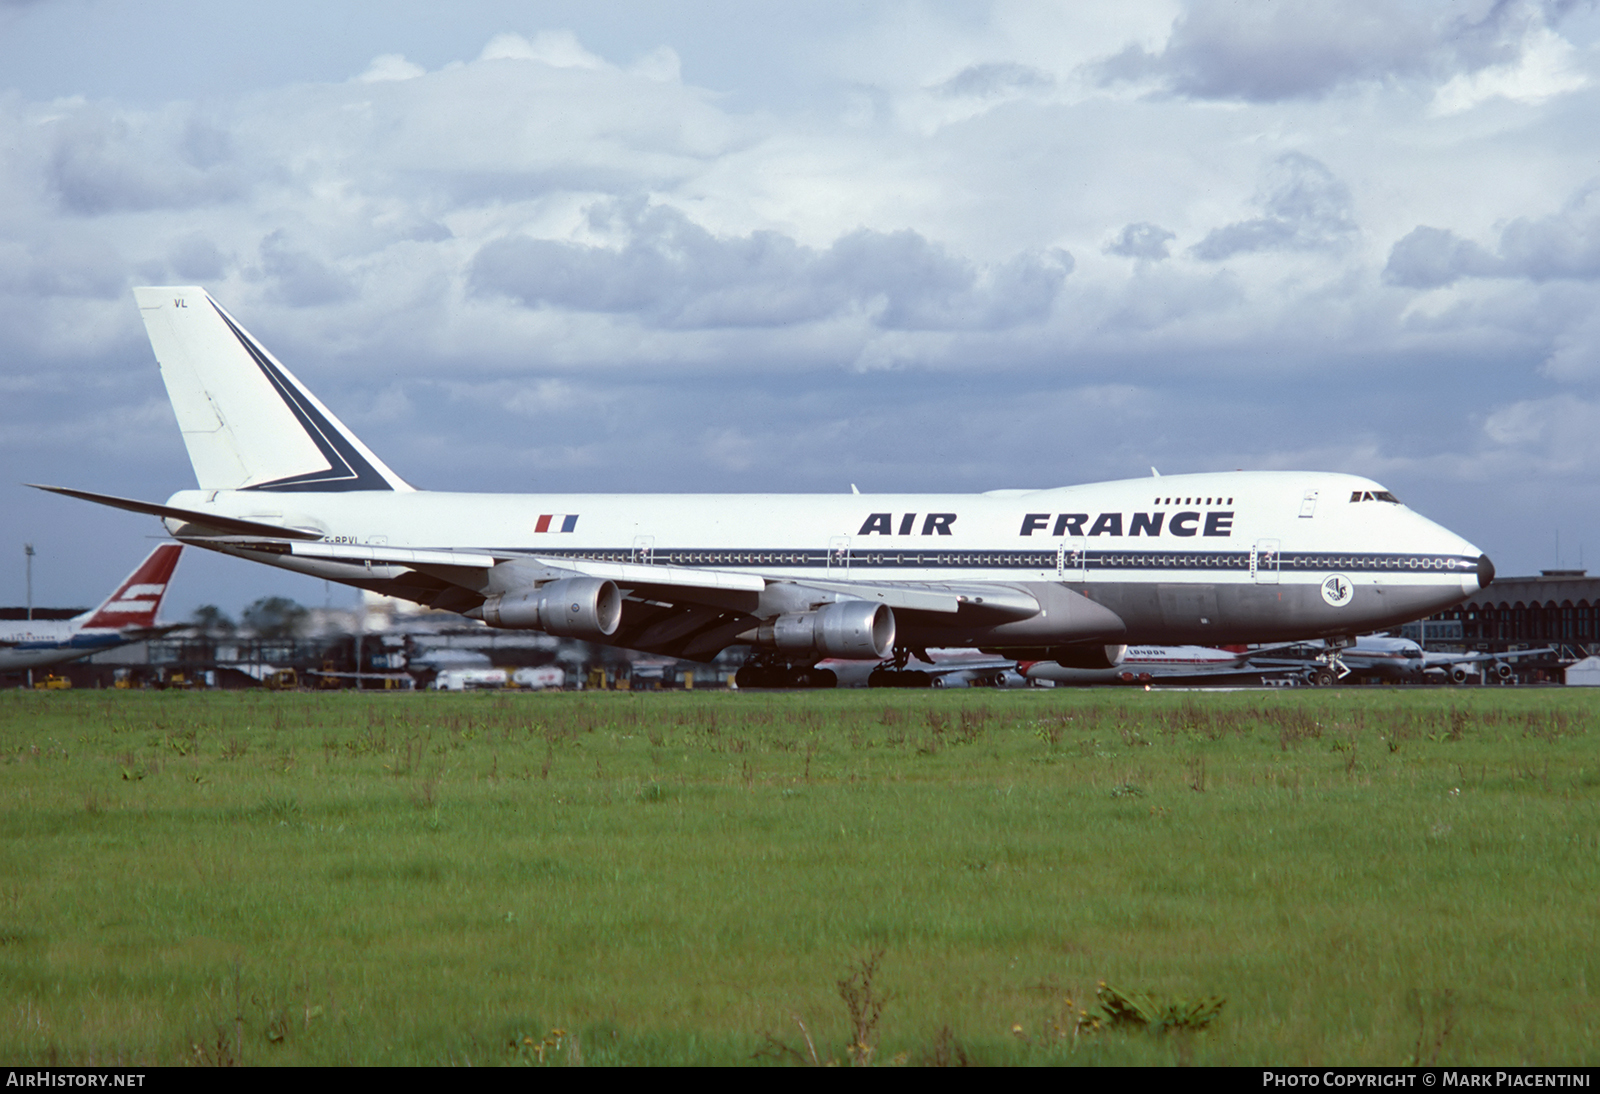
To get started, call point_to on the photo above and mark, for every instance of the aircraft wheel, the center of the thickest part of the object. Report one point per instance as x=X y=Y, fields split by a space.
x=824 y=678
x=756 y=676
x=935 y=681
x=881 y=678
x=1324 y=678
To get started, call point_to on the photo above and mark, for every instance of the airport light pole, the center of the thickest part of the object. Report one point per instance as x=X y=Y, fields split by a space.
x=27 y=552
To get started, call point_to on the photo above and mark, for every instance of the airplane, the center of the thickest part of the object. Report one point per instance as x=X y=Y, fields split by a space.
x=954 y=668
x=1159 y=664
x=1070 y=574
x=1396 y=660
x=127 y=615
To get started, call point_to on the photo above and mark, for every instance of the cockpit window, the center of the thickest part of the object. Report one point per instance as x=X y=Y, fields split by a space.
x=1374 y=495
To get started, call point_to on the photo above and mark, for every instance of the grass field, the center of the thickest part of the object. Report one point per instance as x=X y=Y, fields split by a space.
x=1360 y=876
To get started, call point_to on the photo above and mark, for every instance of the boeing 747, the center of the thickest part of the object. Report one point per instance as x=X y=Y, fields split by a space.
x=1071 y=574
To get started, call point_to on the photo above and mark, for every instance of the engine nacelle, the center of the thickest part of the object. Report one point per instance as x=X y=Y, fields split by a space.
x=854 y=629
x=575 y=607
x=1089 y=657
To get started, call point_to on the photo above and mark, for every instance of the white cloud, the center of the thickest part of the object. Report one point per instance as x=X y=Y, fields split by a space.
x=391 y=66
x=556 y=48
x=1546 y=67
x=1557 y=435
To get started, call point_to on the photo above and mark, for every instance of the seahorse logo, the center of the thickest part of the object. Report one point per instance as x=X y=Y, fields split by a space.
x=1338 y=590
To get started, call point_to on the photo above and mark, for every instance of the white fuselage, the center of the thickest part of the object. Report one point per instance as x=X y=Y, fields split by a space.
x=1208 y=558
x=35 y=644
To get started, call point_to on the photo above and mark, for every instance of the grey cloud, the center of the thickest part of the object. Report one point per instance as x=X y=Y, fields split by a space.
x=995 y=79
x=196 y=258
x=1306 y=209
x=204 y=146
x=63 y=266
x=1430 y=257
x=1267 y=52
x=1147 y=241
x=102 y=163
x=1565 y=245
x=1159 y=296
x=299 y=278
x=676 y=274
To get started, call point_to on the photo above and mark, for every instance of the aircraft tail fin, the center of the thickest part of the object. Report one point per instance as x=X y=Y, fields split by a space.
x=138 y=598
x=247 y=422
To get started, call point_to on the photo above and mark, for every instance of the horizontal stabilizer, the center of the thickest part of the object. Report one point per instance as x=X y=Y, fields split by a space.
x=229 y=526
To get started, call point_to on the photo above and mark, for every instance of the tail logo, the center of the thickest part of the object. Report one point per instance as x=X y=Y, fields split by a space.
x=347 y=468
x=133 y=599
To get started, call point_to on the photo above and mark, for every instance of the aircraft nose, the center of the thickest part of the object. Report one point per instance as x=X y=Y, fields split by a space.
x=1485 y=571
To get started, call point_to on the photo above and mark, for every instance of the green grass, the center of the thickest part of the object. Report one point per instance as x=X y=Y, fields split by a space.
x=1364 y=876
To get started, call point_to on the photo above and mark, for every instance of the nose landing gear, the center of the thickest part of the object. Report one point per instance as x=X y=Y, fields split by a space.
x=1330 y=668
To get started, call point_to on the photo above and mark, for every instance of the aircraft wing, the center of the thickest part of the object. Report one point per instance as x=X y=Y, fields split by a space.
x=198 y=521
x=1448 y=660
x=681 y=611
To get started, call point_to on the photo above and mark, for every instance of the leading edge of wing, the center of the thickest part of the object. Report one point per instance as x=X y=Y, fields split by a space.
x=720 y=588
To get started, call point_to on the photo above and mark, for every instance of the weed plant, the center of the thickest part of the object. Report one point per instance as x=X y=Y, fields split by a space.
x=1350 y=876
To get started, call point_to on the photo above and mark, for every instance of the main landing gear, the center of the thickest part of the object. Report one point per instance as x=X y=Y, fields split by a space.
x=764 y=671
x=894 y=674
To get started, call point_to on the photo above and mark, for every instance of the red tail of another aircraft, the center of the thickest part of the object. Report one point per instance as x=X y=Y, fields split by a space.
x=137 y=599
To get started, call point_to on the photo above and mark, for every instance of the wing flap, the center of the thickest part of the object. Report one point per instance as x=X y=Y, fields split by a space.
x=905 y=597
x=637 y=574
x=393 y=556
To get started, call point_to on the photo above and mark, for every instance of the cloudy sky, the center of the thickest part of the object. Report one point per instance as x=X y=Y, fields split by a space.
x=727 y=246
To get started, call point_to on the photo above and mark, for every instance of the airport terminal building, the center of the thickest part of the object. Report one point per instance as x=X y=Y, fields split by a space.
x=1557 y=608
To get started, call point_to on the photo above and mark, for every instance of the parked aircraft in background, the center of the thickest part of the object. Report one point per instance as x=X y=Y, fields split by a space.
x=127 y=615
x=1069 y=575
x=959 y=668
x=1393 y=660
x=1159 y=664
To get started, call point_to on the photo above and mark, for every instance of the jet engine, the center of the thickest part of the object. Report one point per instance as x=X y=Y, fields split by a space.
x=855 y=629
x=1089 y=657
x=575 y=607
